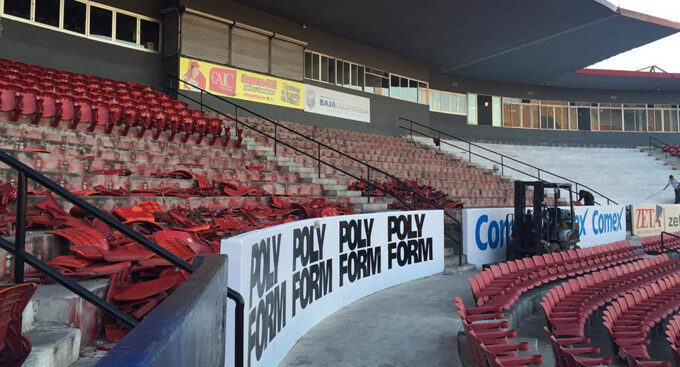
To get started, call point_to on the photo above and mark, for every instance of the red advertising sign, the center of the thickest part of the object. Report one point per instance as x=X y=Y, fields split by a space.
x=223 y=81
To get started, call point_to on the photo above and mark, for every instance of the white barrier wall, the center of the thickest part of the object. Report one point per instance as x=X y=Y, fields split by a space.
x=294 y=275
x=649 y=220
x=484 y=239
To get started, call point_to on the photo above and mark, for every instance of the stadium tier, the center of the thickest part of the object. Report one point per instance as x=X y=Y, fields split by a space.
x=258 y=183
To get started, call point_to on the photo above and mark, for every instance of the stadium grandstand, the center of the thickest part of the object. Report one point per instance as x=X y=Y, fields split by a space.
x=352 y=183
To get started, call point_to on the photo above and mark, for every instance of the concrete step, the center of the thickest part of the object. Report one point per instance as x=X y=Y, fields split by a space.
x=318 y=181
x=371 y=207
x=342 y=193
x=55 y=306
x=297 y=169
x=53 y=347
x=335 y=187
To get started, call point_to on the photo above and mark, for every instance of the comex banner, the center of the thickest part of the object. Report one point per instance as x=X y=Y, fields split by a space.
x=337 y=104
x=484 y=230
x=294 y=275
x=649 y=220
x=235 y=83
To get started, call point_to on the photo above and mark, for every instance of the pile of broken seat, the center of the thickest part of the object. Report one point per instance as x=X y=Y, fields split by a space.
x=140 y=279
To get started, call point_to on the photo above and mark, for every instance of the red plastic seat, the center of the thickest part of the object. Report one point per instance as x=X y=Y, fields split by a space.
x=14 y=348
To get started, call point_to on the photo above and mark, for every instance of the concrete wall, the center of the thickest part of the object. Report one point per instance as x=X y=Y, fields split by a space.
x=187 y=329
x=456 y=125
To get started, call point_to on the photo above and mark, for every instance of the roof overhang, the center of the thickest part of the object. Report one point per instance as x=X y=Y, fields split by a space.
x=509 y=41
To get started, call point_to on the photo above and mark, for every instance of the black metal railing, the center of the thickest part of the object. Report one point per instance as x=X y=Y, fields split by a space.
x=21 y=256
x=238 y=325
x=667 y=234
x=503 y=158
x=415 y=196
x=659 y=144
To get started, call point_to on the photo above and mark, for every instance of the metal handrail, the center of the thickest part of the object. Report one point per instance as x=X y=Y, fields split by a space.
x=415 y=194
x=239 y=325
x=503 y=157
x=667 y=234
x=18 y=248
x=653 y=144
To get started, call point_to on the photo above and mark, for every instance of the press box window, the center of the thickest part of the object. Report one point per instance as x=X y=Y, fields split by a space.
x=149 y=34
x=74 y=16
x=100 y=22
x=126 y=28
x=18 y=8
x=47 y=12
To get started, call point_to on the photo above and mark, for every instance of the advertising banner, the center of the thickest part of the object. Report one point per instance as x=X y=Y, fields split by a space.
x=294 y=275
x=337 y=104
x=239 y=84
x=484 y=230
x=648 y=220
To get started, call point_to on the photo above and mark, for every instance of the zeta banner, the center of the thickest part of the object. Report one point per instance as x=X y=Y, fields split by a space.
x=294 y=275
x=649 y=220
x=239 y=84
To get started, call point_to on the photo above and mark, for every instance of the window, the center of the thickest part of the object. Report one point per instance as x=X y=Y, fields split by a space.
x=18 y=8
x=445 y=102
x=47 y=12
x=149 y=32
x=126 y=28
x=100 y=22
x=377 y=82
x=105 y=23
x=74 y=16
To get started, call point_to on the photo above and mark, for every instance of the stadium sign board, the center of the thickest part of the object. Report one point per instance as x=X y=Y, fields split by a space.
x=484 y=230
x=649 y=220
x=294 y=275
x=234 y=83
x=337 y=104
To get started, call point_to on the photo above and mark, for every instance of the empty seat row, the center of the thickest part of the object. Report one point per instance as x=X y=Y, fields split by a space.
x=630 y=317
x=568 y=305
x=489 y=339
x=97 y=102
x=502 y=284
x=653 y=243
x=673 y=337
x=575 y=352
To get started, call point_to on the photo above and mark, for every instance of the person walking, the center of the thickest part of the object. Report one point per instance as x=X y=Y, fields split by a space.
x=676 y=187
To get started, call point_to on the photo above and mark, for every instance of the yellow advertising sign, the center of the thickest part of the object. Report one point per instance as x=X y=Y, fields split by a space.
x=239 y=84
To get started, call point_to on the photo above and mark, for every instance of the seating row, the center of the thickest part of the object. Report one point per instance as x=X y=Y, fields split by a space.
x=502 y=284
x=44 y=93
x=630 y=317
x=653 y=243
x=673 y=337
x=568 y=305
x=489 y=339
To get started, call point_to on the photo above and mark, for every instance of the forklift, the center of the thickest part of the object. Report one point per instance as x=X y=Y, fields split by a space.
x=546 y=228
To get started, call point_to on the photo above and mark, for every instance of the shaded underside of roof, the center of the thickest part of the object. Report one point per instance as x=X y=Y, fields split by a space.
x=509 y=41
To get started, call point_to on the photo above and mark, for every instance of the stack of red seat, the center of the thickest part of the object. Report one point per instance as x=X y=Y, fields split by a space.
x=568 y=305
x=672 y=149
x=653 y=243
x=44 y=93
x=673 y=337
x=437 y=197
x=502 y=284
x=631 y=317
x=489 y=338
x=14 y=348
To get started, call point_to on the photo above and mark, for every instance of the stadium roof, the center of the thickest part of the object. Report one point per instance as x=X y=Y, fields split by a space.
x=511 y=41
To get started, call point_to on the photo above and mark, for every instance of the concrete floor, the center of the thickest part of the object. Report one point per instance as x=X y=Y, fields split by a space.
x=412 y=324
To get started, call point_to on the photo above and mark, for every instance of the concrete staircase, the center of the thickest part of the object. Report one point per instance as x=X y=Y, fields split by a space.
x=625 y=175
